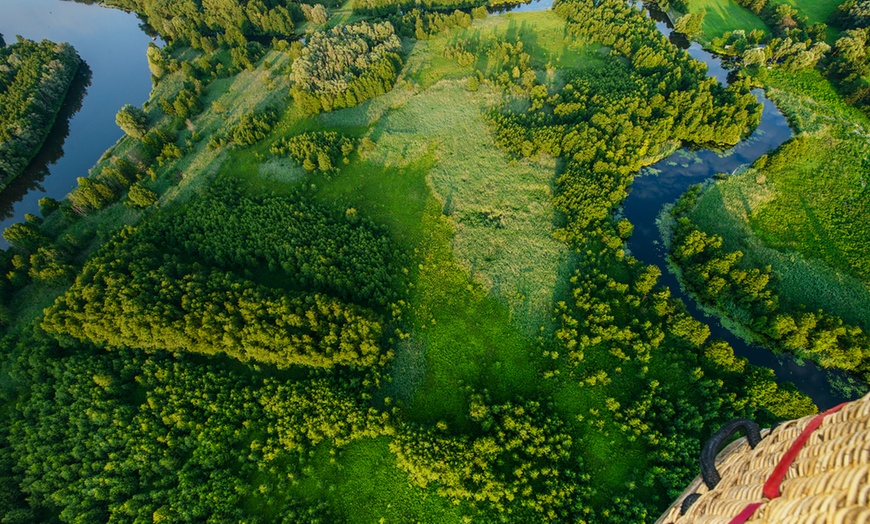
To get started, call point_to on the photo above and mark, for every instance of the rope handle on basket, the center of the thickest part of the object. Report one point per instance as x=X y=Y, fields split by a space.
x=771 y=487
x=711 y=448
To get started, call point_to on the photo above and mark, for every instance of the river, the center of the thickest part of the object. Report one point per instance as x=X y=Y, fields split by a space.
x=113 y=47
x=664 y=182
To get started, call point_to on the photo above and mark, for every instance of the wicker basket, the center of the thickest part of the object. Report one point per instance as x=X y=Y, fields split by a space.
x=806 y=471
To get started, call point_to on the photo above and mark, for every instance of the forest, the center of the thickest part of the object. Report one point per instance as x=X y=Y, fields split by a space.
x=370 y=266
x=34 y=80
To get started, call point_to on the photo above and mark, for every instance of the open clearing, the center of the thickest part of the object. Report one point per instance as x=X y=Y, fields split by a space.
x=725 y=15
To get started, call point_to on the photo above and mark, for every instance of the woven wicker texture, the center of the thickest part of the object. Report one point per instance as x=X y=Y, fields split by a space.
x=829 y=481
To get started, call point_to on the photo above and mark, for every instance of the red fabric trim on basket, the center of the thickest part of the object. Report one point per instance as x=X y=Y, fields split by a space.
x=771 y=487
x=747 y=512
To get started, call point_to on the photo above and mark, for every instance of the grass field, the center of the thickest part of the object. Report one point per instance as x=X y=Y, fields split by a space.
x=484 y=268
x=363 y=484
x=815 y=10
x=805 y=212
x=725 y=15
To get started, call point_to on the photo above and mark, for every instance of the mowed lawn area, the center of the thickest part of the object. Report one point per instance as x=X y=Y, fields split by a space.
x=725 y=15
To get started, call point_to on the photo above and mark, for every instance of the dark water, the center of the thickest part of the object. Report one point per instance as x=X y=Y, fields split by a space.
x=528 y=7
x=113 y=47
x=664 y=182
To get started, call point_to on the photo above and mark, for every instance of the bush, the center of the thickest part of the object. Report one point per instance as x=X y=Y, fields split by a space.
x=132 y=120
x=140 y=196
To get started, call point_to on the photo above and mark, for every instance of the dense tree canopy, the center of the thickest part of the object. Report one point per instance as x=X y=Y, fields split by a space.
x=346 y=65
x=149 y=290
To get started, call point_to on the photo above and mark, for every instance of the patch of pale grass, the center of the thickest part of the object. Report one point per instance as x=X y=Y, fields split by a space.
x=196 y=171
x=281 y=170
x=501 y=209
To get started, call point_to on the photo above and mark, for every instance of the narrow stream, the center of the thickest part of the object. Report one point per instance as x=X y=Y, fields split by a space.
x=664 y=182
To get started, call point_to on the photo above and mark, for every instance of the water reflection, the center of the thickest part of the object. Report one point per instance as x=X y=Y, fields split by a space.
x=680 y=40
x=52 y=149
x=525 y=7
x=111 y=43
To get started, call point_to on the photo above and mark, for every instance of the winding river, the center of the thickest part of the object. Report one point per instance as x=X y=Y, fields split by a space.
x=664 y=182
x=113 y=46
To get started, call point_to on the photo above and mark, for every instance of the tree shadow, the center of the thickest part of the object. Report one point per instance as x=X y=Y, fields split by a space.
x=52 y=149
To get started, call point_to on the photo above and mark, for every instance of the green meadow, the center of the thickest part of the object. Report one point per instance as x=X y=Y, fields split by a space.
x=803 y=209
x=725 y=15
x=815 y=10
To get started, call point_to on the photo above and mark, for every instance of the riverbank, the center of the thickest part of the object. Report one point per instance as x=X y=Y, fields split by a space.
x=799 y=216
x=37 y=78
x=117 y=74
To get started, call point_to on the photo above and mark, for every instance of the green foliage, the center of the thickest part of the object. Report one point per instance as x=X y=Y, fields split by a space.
x=151 y=428
x=345 y=66
x=316 y=14
x=386 y=7
x=34 y=80
x=852 y=14
x=850 y=67
x=48 y=205
x=306 y=247
x=157 y=61
x=232 y=21
x=690 y=23
x=316 y=151
x=748 y=296
x=186 y=103
x=141 y=196
x=423 y=25
x=49 y=264
x=180 y=305
x=179 y=308
x=518 y=463
x=132 y=120
x=253 y=127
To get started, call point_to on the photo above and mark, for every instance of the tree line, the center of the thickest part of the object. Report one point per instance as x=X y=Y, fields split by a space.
x=185 y=295
x=747 y=295
x=201 y=23
x=34 y=80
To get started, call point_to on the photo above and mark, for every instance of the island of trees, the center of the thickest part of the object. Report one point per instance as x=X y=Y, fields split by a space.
x=34 y=80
